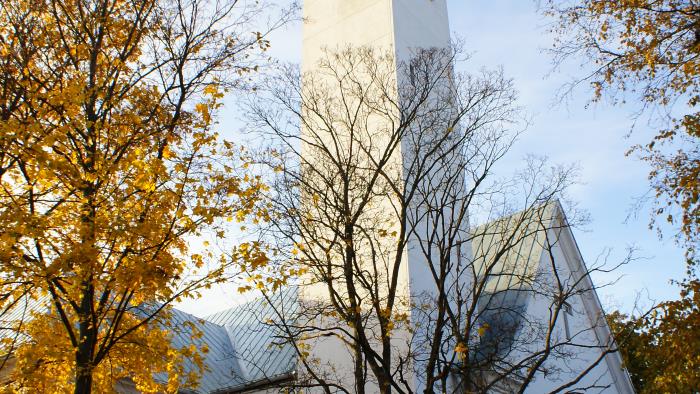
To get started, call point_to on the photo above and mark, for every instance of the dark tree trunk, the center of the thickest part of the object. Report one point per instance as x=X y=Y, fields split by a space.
x=85 y=354
x=83 y=382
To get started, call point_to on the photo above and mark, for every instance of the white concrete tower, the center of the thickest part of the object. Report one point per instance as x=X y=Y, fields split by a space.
x=399 y=27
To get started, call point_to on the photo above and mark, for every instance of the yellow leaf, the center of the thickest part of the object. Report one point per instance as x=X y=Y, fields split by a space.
x=482 y=330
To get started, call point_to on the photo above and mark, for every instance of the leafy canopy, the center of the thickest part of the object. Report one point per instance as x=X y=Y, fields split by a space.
x=661 y=350
x=108 y=165
x=651 y=48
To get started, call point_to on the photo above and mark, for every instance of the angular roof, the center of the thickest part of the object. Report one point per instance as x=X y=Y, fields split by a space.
x=244 y=348
x=507 y=251
x=506 y=258
x=220 y=362
x=260 y=354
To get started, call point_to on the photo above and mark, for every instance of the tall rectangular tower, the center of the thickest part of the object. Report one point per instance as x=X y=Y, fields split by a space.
x=398 y=25
x=397 y=29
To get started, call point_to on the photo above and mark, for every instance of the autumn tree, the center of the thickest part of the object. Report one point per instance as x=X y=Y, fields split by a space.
x=109 y=163
x=650 y=49
x=661 y=347
x=374 y=174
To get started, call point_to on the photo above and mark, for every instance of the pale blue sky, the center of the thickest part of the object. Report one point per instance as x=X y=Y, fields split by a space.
x=512 y=34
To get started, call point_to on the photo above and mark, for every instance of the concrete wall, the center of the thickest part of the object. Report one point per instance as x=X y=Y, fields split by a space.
x=395 y=28
x=588 y=328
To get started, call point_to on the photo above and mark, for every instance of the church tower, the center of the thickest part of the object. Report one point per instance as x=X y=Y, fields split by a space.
x=400 y=28
x=398 y=25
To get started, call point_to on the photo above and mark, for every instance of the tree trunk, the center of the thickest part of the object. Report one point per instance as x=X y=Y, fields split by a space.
x=359 y=367
x=83 y=380
x=85 y=354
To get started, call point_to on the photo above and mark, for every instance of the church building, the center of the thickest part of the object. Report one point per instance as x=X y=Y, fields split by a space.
x=262 y=362
x=517 y=317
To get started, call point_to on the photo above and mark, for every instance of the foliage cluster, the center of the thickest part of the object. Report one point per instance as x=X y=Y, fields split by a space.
x=109 y=164
x=650 y=48
x=661 y=349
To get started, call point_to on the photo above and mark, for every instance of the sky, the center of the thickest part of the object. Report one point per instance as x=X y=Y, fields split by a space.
x=513 y=35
